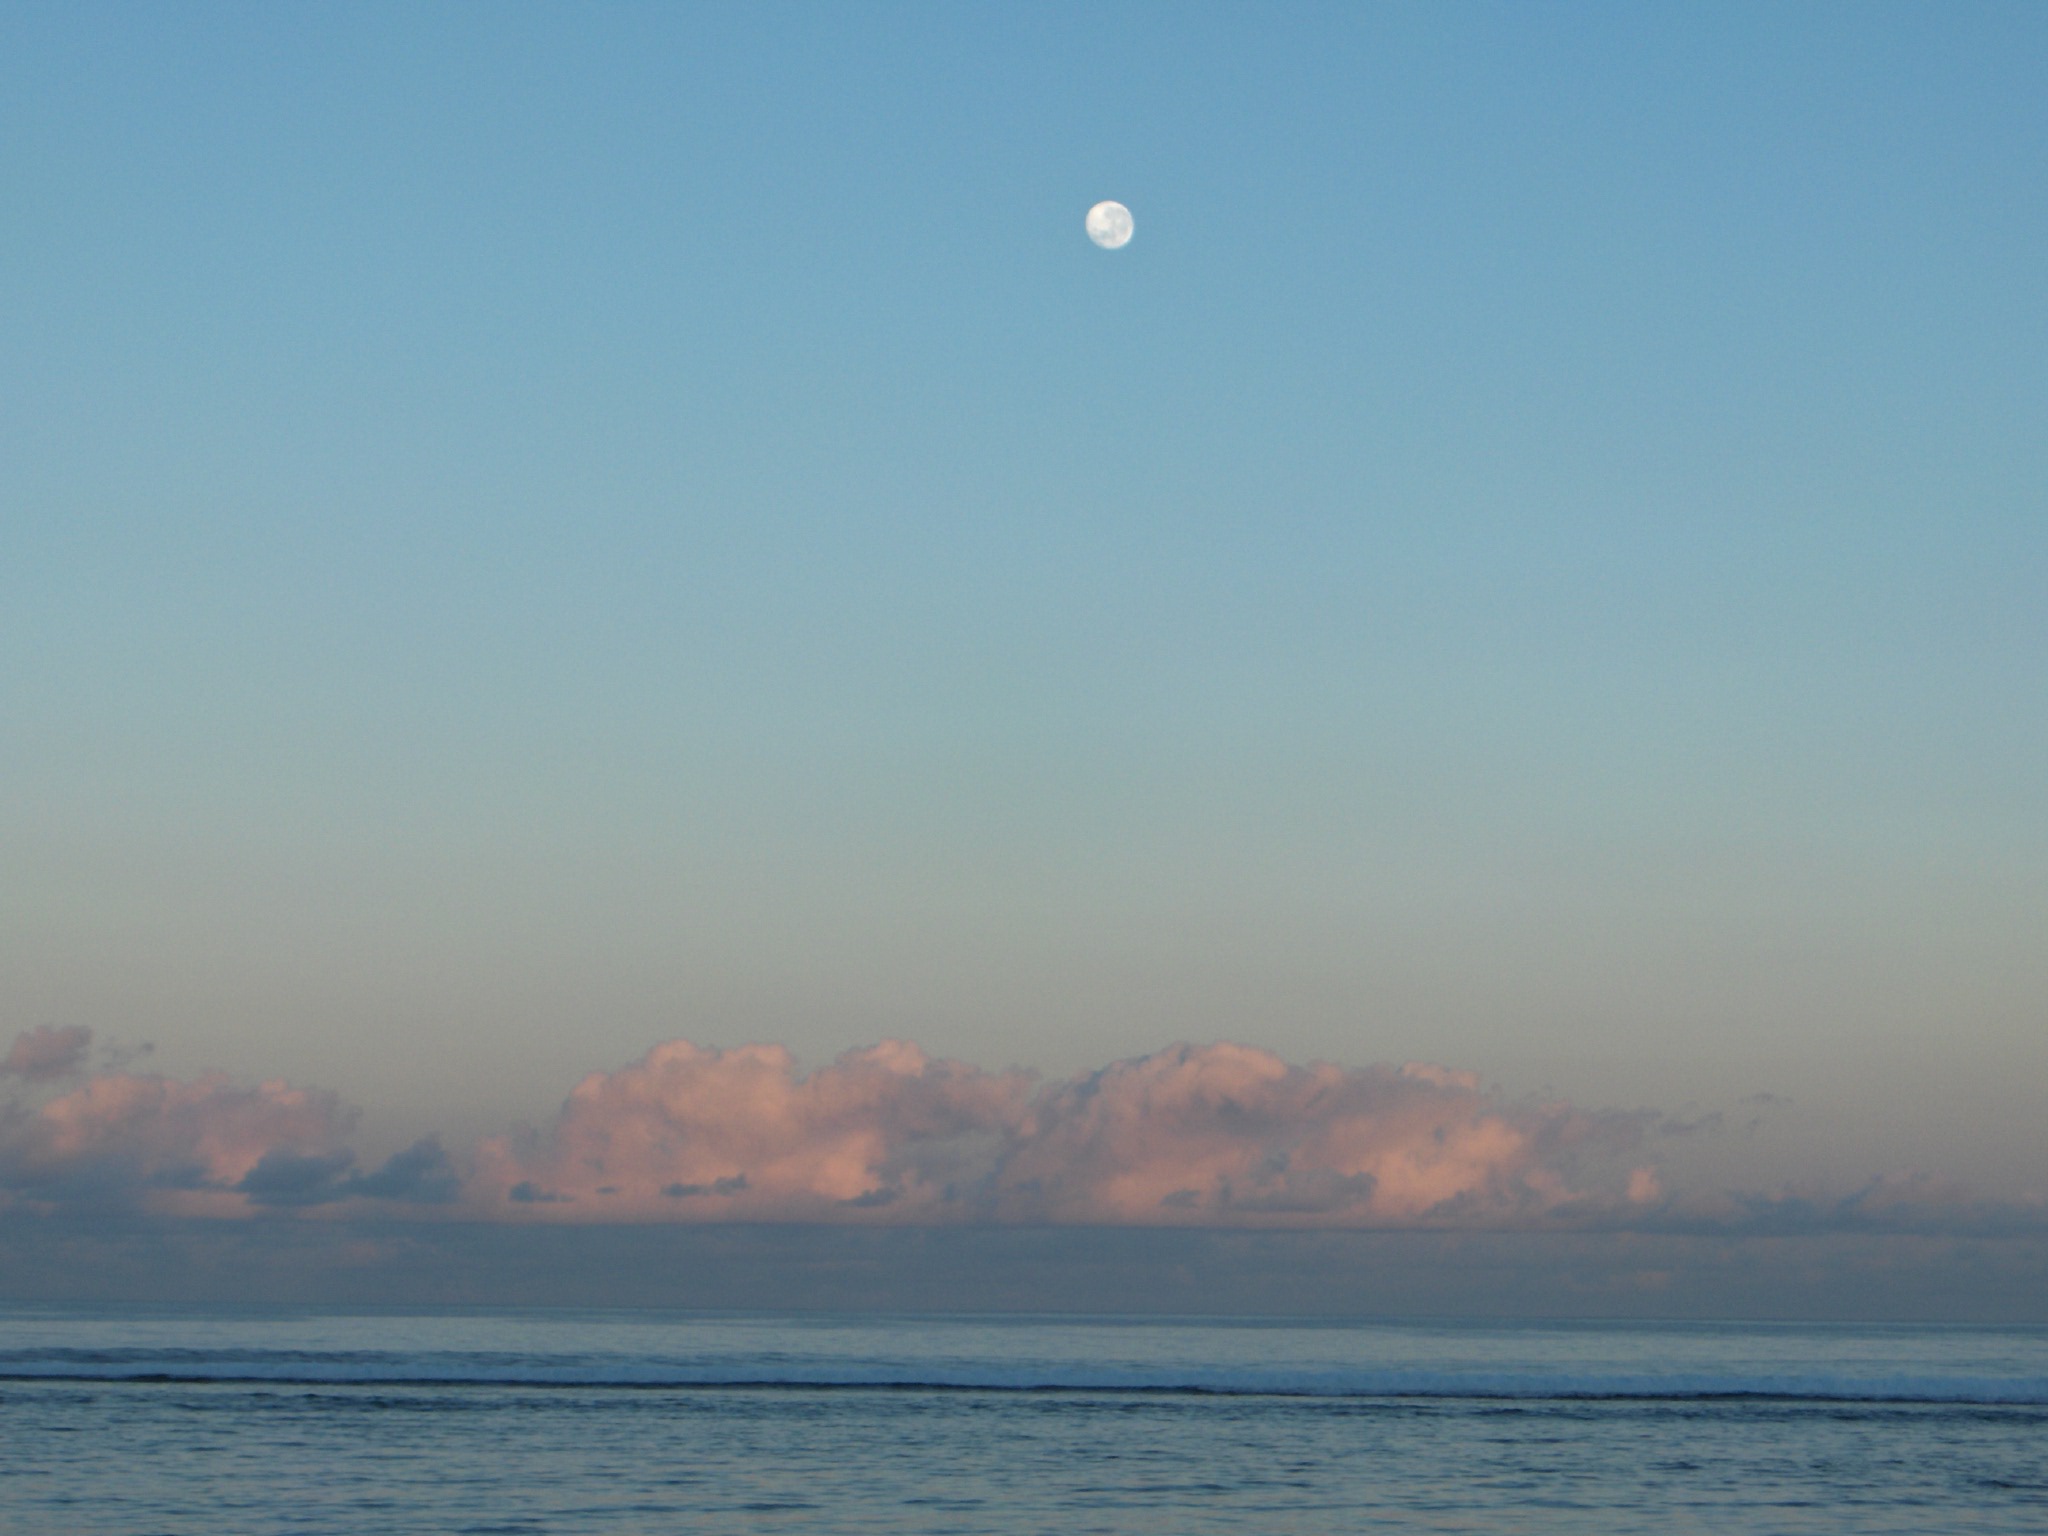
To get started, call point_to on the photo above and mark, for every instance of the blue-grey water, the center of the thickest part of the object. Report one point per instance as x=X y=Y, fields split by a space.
x=225 y=1423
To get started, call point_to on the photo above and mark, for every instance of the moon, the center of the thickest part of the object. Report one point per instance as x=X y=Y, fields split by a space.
x=1109 y=226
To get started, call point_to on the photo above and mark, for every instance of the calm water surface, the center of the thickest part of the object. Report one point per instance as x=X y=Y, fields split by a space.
x=115 y=1423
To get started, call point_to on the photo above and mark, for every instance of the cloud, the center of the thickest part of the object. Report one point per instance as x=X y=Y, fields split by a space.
x=423 y=1174
x=690 y=1132
x=283 y=1178
x=170 y=1146
x=1191 y=1135
x=1226 y=1134
x=207 y=1147
x=48 y=1054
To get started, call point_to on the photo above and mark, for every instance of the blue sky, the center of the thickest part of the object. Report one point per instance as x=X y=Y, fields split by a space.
x=530 y=532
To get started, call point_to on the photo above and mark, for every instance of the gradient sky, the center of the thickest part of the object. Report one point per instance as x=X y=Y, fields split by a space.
x=530 y=532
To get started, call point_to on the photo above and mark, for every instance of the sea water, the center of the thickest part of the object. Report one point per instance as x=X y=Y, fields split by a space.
x=222 y=1423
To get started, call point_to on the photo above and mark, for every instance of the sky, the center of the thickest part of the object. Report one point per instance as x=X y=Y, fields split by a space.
x=551 y=541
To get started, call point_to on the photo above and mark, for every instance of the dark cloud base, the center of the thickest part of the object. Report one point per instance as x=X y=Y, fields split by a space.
x=1835 y=1276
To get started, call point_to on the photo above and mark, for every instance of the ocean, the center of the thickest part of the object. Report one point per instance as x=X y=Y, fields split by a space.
x=228 y=1422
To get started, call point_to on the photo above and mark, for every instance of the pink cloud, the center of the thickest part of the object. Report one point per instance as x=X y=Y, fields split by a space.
x=1230 y=1134
x=169 y=1146
x=1191 y=1135
x=47 y=1054
x=693 y=1133
x=1208 y=1135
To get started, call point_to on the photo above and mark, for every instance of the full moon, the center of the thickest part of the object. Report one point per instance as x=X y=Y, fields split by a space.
x=1109 y=226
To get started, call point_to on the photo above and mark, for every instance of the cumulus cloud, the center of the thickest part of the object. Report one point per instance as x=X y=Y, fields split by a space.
x=1229 y=1133
x=1191 y=1135
x=156 y=1142
x=1218 y=1136
x=208 y=1147
x=689 y=1132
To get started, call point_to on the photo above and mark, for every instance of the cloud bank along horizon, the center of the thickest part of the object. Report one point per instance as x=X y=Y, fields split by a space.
x=1221 y=1134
